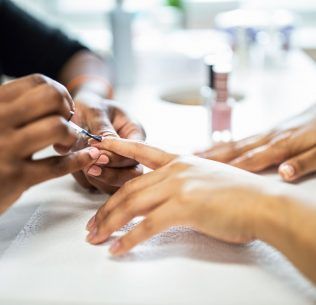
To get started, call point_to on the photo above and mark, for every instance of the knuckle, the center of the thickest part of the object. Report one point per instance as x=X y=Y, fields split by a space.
x=177 y=164
x=281 y=147
x=54 y=94
x=38 y=79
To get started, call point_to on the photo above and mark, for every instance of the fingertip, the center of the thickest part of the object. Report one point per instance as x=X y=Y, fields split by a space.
x=94 y=153
x=91 y=223
x=287 y=171
x=103 y=160
x=94 y=171
x=116 y=248
x=91 y=236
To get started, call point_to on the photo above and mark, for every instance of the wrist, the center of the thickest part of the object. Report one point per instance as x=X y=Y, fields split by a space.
x=96 y=85
x=86 y=94
x=272 y=220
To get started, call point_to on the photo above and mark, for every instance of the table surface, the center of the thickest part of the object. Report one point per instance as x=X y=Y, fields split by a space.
x=45 y=260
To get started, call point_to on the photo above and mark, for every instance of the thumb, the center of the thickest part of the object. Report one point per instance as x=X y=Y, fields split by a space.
x=299 y=166
x=147 y=155
x=57 y=166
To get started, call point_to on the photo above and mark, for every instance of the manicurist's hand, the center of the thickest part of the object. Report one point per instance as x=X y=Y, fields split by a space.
x=105 y=117
x=214 y=198
x=33 y=115
x=291 y=146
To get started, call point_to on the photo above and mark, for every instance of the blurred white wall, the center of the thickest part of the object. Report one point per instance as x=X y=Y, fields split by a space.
x=86 y=19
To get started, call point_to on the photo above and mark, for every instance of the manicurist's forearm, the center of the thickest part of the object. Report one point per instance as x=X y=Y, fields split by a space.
x=86 y=72
x=288 y=222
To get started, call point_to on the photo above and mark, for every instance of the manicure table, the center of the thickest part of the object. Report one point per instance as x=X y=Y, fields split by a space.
x=45 y=260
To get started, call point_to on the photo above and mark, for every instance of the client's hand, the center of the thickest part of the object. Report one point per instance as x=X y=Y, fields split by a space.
x=214 y=198
x=105 y=117
x=34 y=113
x=291 y=145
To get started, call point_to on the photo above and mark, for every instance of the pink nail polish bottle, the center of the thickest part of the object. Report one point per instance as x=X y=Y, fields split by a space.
x=220 y=104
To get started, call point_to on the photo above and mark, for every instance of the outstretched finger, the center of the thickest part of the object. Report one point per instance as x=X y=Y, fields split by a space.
x=127 y=190
x=226 y=152
x=160 y=219
x=299 y=166
x=145 y=154
x=137 y=205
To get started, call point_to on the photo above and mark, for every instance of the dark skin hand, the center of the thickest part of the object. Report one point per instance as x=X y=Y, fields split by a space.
x=291 y=146
x=96 y=112
x=105 y=117
x=33 y=115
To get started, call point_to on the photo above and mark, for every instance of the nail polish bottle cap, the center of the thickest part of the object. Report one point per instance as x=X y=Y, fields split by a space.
x=210 y=61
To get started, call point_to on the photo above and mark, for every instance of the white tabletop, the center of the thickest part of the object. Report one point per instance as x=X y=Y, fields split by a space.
x=45 y=260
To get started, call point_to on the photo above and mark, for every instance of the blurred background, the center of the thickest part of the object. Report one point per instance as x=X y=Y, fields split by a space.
x=262 y=54
x=88 y=20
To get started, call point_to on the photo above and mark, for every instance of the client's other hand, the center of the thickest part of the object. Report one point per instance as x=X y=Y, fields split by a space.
x=291 y=146
x=214 y=198
x=34 y=113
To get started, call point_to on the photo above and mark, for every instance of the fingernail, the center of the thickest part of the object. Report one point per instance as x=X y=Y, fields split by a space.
x=95 y=171
x=287 y=170
x=94 y=153
x=92 y=141
x=103 y=160
x=115 y=247
x=90 y=223
x=92 y=235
